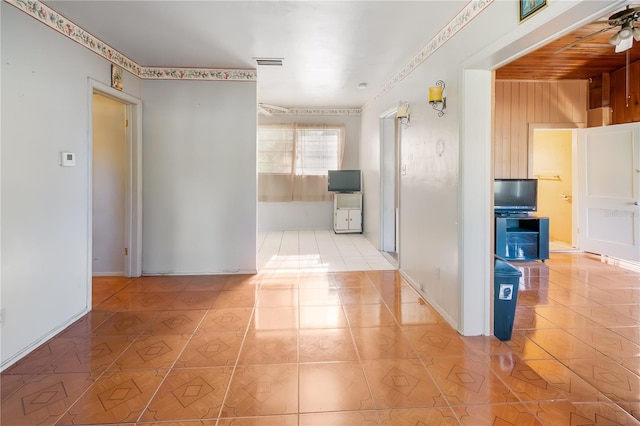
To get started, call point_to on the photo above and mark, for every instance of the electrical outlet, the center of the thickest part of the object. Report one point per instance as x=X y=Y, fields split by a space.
x=438 y=272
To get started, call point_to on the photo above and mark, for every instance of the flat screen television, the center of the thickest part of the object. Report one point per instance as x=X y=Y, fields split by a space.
x=344 y=180
x=512 y=196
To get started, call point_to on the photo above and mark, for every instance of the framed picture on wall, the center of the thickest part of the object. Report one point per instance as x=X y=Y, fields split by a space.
x=530 y=7
x=116 y=77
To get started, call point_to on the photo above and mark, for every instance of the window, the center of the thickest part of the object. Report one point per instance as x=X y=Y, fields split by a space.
x=317 y=151
x=293 y=160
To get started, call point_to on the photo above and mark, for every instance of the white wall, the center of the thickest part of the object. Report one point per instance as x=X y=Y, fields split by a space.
x=45 y=207
x=440 y=211
x=199 y=177
x=309 y=214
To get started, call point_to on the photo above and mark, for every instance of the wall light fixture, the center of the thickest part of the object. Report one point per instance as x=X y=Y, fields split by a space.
x=436 y=98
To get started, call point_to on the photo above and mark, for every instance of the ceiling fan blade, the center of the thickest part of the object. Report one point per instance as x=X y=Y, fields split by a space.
x=273 y=107
x=263 y=111
x=580 y=40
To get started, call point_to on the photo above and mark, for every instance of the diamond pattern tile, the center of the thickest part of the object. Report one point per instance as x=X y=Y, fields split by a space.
x=307 y=347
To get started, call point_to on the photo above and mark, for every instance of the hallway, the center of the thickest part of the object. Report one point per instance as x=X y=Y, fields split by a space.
x=336 y=348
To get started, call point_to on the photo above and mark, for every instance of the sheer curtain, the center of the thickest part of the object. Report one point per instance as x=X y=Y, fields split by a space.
x=293 y=160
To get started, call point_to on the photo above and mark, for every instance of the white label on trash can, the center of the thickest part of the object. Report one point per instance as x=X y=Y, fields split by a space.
x=506 y=292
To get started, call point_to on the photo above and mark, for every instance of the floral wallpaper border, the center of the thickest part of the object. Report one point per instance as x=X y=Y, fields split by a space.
x=470 y=11
x=49 y=17
x=54 y=20
x=315 y=111
x=197 y=74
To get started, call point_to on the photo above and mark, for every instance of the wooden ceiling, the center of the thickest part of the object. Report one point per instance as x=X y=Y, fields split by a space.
x=590 y=58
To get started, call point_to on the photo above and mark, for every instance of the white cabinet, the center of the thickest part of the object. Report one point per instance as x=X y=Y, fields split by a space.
x=347 y=212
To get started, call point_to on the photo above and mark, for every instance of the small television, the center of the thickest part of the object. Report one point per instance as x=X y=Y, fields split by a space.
x=344 y=180
x=513 y=196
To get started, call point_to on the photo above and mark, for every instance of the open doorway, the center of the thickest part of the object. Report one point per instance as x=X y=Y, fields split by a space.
x=109 y=186
x=552 y=160
x=390 y=186
x=552 y=156
x=115 y=193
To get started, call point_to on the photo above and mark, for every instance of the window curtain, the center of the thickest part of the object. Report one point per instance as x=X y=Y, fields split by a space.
x=293 y=160
x=275 y=162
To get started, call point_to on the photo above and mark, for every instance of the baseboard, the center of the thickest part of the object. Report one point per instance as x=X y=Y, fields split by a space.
x=434 y=305
x=223 y=272
x=36 y=344
x=108 y=274
x=624 y=264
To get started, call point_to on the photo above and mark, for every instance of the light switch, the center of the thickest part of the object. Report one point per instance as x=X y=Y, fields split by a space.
x=67 y=159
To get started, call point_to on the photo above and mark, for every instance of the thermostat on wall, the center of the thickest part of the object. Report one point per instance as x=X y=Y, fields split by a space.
x=67 y=159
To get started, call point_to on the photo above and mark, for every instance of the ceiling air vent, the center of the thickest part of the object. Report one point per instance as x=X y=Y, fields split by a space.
x=275 y=62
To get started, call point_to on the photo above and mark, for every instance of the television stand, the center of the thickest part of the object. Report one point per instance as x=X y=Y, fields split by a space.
x=347 y=212
x=522 y=237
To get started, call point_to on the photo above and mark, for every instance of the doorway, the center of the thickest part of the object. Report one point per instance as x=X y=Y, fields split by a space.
x=390 y=186
x=118 y=202
x=552 y=163
x=109 y=185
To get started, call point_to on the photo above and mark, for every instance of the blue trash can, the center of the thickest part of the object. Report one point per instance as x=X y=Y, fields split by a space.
x=506 y=279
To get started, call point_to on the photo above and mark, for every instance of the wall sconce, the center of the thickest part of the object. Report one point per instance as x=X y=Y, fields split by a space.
x=402 y=114
x=436 y=98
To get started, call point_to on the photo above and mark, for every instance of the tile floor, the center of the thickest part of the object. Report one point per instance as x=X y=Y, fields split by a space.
x=299 y=347
x=317 y=251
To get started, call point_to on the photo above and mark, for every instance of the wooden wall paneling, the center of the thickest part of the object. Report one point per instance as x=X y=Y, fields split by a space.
x=565 y=109
x=618 y=96
x=581 y=108
x=502 y=117
x=498 y=127
x=596 y=91
x=514 y=137
x=506 y=132
x=521 y=111
x=554 y=107
x=621 y=112
x=537 y=92
x=521 y=103
x=527 y=109
x=504 y=141
x=574 y=96
x=634 y=91
x=546 y=107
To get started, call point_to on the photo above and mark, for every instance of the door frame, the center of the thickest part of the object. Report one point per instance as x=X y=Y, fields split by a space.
x=573 y=127
x=133 y=187
x=387 y=118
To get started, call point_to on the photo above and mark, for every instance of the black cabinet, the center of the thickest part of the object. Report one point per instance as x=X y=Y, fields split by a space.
x=522 y=238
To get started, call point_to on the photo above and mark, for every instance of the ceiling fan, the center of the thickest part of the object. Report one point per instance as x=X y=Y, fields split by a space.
x=267 y=109
x=626 y=21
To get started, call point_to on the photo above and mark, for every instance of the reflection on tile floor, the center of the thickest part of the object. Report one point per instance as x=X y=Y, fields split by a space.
x=317 y=251
x=309 y=347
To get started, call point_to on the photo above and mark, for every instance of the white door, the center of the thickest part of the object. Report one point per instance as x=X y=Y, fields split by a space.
x=609 y=190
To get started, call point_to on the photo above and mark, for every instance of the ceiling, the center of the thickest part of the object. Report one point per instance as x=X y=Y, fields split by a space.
x=587 y=59
x=329 y=47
